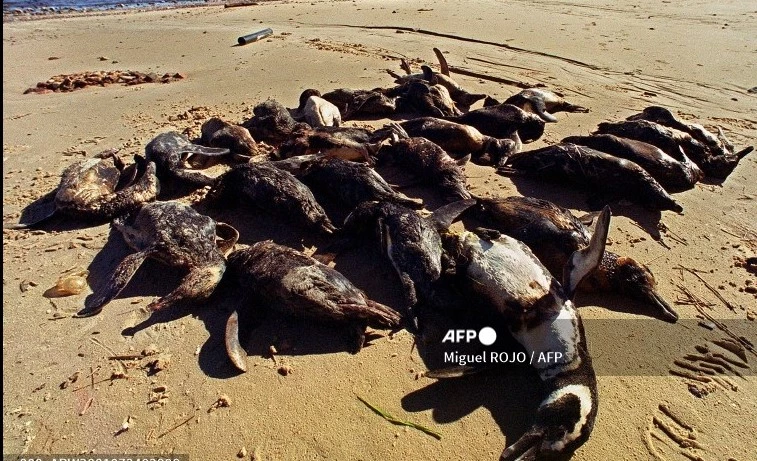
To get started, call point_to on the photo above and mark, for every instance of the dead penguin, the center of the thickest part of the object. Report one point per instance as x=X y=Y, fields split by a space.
x=353 y=104
x=593 y=169
x=539 y=313
x=462 y=98
x=675 y=143
x=719 y=144
x=316 y=111
x=722 y=151
x=553 y=234
x=505 y=275
x=172 y=153
x=460 y=140
x=430 y=163
x=411 y=243
x=272 y=190
x=178 y=236
x=543 y=103
x=423 y=98
x=219 y=133
x=272 y=123
x=290 y=282
x=98 y=188
x=352 y=183
x=674 y=175
x=347 y=143
x=502 y=121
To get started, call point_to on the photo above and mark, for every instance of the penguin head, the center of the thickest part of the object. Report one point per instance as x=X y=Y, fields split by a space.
x=636 y=280
x=305 y=95
x=532 y=127
x=564 y=422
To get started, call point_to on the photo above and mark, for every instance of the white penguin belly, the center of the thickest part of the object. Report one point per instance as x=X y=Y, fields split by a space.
x=515 y=282
x=505 y=273
x=553 y=343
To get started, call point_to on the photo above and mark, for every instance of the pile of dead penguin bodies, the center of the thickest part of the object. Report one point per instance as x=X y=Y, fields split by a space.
x=508 y=267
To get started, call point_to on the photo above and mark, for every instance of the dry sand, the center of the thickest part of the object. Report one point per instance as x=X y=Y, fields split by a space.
x=698 y=58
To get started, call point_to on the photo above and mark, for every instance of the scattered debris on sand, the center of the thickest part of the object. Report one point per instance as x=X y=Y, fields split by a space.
x=69 y=82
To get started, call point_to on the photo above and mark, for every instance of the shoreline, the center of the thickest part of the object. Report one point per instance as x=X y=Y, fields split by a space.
x=23 y=16
x=18 y=14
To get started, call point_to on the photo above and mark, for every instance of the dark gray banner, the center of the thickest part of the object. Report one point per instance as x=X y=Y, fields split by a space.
x=638 y=347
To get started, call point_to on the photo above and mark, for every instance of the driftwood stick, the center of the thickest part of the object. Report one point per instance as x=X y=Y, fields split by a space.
x=709 y=287
x=470 y=73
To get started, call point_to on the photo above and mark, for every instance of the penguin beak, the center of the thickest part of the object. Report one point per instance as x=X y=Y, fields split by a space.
x=662 y=308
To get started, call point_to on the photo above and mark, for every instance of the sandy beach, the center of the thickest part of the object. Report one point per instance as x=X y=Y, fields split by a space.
x=63 y=392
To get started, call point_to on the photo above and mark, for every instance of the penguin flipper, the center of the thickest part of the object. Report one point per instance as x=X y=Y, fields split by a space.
x=39 y=211
x=582 y=262
x=444 y=216
x=118 y=280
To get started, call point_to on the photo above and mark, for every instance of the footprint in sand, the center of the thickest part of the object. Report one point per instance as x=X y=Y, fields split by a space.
x=711 y=367
x=718 y=364
x=669 y=429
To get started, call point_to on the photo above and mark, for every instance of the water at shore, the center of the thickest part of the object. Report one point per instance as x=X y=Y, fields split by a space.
x=51 y=6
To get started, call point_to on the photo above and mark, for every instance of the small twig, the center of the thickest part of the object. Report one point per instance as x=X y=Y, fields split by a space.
x=647 y=263
x=96 y=341
x=112 y=353
x=731 y=233
x=86 y=406
x=98 y=382
x=709 y=287
x=58 y=318
x=176 y=426
x=718 y=323
x=692 y=299
x=505 y=81
x=675 y=236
